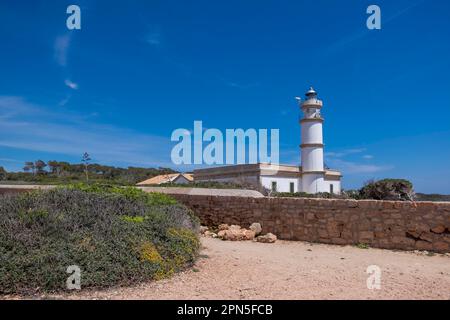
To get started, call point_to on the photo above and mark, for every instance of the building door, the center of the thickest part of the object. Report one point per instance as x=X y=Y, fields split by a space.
x=291 y=187
x=331 y=188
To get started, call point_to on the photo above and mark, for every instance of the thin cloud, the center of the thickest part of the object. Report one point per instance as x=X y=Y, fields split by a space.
x=349 y=167
x=65 y=101
x=363 y=32
x=11 y=160
x=344 y=153
x=153 y=38
x=69 y=134
x=61 y=49
x=238 y=85
x=72 y=85
x=338 y=160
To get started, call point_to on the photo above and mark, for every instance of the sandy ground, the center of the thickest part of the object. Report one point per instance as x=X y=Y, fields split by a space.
x=293 y=270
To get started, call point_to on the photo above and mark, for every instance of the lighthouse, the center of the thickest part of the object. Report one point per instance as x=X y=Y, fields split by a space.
x=312 y=170
x=311 y=177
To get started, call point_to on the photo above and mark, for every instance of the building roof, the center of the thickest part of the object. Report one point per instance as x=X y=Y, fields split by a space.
x=256 y=169
x=166 y=178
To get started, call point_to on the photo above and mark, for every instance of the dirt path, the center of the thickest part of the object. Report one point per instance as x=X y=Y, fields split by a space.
x=295 y=270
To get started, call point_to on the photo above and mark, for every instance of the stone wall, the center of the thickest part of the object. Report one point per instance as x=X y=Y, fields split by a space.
x=382 y=224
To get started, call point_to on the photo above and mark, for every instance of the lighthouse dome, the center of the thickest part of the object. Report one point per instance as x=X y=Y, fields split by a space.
x=311 y=92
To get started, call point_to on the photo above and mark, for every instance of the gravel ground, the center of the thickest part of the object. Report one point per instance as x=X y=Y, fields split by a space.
x=293 y=270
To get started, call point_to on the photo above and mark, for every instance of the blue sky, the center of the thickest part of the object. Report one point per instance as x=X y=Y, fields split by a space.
x=137 y=70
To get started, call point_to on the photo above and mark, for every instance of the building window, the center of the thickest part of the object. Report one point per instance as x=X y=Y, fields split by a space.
x=274 y=186
x=291 y=187
x=331 y=188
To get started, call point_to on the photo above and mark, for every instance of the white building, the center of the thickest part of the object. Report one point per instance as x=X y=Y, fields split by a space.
x=311 y=177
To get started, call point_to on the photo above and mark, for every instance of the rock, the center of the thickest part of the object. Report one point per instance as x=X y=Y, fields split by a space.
x=210 y=234
x=438 y=229
x=267 y=238
x=203 y=229
x=221 y=234
x=426 y=236
x=223 y=227
x=249 y=234
x=236 y=233
x=233 y=235
x=441 y=246
x=256 y=227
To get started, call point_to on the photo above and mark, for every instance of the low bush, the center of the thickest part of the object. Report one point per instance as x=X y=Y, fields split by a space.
x=116 y=236
x=388 y=189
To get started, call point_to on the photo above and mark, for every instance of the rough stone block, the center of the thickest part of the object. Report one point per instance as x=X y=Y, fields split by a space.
x=366 y=235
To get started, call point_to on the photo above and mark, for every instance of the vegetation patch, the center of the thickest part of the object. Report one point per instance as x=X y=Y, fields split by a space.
x=116 y=236
x=386 y=189
x=362 y=246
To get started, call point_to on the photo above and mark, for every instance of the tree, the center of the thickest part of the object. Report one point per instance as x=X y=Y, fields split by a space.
x=29 y=166
x=86 y=158
x=3 y=173
x=54 y=167
x=39 y=166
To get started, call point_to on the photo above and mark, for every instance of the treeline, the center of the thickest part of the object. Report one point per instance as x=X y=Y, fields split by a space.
x=64 y=172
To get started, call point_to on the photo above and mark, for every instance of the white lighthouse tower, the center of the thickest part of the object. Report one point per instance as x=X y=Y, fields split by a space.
x=313 y=171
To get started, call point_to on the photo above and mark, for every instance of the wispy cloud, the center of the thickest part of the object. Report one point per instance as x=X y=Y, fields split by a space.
x=344 y=153
x=339 y=160
x=235 y=84
x=364 y=32
x=153 y=36
x=61 y=49
x=28 y=126
x=71 y=84
x=65 y=101
x=10 y=160
x=350 y=167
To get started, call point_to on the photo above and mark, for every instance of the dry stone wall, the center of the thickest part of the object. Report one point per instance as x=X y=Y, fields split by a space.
x=382 y=224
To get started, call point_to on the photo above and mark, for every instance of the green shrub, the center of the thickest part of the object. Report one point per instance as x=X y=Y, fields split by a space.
x=388 y=189
x=117 y=236
x=362 y=246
